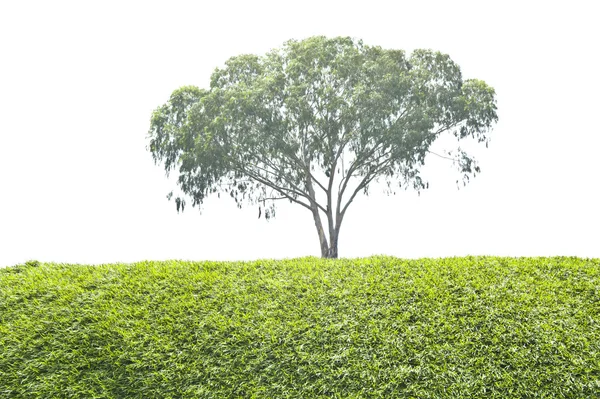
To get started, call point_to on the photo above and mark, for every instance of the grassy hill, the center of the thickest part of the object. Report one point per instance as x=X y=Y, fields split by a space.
x=379 y=327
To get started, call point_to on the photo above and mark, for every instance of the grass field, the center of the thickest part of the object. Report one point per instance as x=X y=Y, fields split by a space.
x=379 y=327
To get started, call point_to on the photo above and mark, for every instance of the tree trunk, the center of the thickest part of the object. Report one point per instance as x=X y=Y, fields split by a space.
x=328 y=249
x=317 y=217
x=321 y=233
x=333 y=247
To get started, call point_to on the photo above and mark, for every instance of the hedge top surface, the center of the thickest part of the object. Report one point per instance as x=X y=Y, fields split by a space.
x=350 y=328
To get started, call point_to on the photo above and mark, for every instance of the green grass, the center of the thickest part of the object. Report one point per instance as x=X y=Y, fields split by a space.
x=380 y=327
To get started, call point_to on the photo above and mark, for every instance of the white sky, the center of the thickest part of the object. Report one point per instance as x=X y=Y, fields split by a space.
x=79 y=80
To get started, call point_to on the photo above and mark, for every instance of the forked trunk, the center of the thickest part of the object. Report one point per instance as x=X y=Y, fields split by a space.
x=329 y=249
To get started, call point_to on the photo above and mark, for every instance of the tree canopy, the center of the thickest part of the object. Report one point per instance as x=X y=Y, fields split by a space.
x=315 y=122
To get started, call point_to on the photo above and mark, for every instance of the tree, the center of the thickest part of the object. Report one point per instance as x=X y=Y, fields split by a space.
x=316 y=122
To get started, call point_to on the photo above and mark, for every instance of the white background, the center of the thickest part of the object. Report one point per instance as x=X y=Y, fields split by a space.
x=79 y=80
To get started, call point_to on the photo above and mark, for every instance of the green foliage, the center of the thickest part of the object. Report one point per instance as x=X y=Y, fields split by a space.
x=271 y=120
x=315 y=122
x=476 y=327
x=24 y=266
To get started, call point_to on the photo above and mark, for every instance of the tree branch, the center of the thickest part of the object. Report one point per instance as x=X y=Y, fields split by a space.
x=366 y=180
x=294 y=188
x=272 y=199
x=281 y=190
x=441 y=156
x=356 y=165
